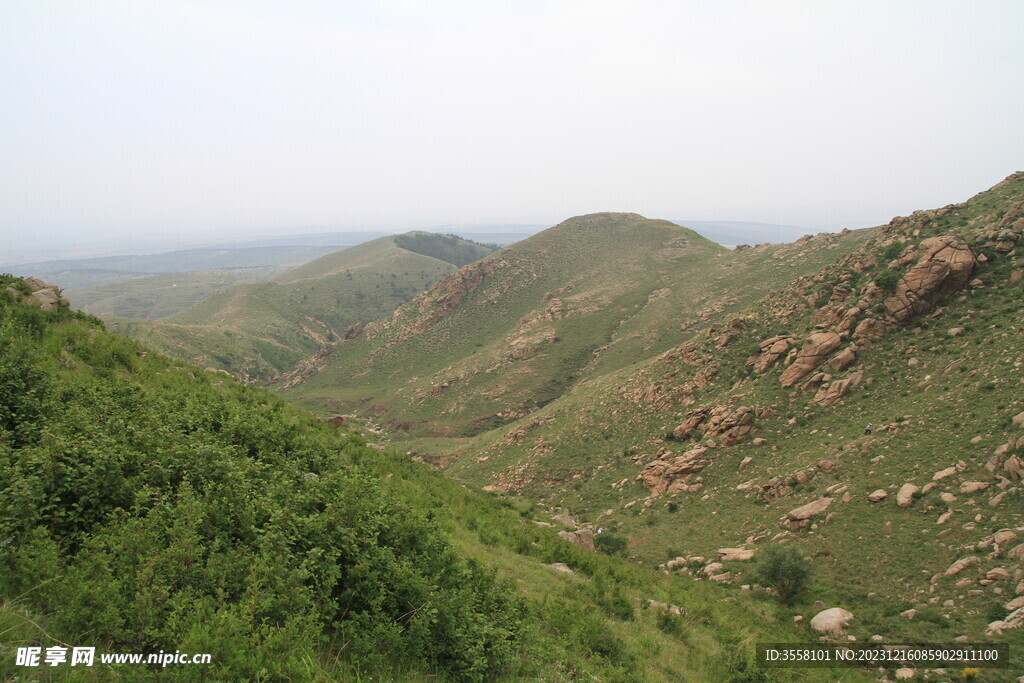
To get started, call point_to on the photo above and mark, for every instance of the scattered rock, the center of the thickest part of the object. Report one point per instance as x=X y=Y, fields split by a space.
x=879 y=495
x=973 y=486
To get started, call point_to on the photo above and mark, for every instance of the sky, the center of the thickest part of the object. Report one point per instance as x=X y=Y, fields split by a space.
x=140 y=118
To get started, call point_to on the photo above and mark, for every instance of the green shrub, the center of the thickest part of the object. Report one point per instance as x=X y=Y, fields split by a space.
x=783 y=568
x=612 y=544
x=887 y=279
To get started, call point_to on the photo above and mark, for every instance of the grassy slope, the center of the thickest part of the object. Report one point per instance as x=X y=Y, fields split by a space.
x=596 y=623
x=874 y=559
x=158 y=296
x=259 y=330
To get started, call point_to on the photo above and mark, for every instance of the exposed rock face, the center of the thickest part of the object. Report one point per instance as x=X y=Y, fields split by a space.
x=815 y=350
x=843 y=359
x=584 y=538
x=449 y=292
x=831 y=620
x=833 y=391
x=769 y=352
x=870 y=328
x=676 y=475
x=353 y=331
x=731 y=425
x=944 y=268
x=693 y=419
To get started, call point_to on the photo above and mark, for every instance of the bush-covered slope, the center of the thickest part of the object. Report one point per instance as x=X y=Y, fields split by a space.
x=260 y=330
x=146 y=507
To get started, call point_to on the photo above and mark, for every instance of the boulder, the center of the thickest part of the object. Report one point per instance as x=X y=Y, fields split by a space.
x=961 y=565
x=45 y=295
x=713 y=568
x=833 y=391
x=801 y=516
x=973 y=486
x=877 y=496
x=815 y=350
x=942 y=474
x=945 y=267
x=843 y=359
x=905 y=496
x=831 y=620
x=1014 y=468
x=584 y=538
x=769 y=352
x=735 y=554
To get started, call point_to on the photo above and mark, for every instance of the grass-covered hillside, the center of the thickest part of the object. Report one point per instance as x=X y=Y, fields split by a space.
x=517 y=330
x=148 y=506
x=717 y=441
x=260 y=330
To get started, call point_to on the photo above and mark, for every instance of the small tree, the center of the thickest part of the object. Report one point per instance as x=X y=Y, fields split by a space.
x=784 y=569
x=612 y=544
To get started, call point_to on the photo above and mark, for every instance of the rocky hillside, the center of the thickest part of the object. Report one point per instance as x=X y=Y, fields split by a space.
x=258 y=331
x=515 y=332
x=755 y=432
x=150 y=505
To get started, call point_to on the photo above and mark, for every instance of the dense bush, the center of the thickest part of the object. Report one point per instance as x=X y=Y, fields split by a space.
x=783 y=568
x=144 y=508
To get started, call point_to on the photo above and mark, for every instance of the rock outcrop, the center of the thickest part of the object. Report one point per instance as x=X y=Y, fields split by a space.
x=584 y=538
x=45 y=295
x=815 y=351
x=831 y=392
x=944 y=268
x=675 y=475
x=769 y=352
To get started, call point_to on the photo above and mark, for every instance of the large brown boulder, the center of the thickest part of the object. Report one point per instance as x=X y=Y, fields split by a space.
x=816 y=349
x=944 y=268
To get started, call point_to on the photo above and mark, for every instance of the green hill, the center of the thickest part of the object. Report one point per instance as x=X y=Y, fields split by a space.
x=260 y=330
x=516 y=331
x=149 y=507
x=720 y=436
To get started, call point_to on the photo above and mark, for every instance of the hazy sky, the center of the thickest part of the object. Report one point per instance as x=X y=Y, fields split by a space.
x=177 y=117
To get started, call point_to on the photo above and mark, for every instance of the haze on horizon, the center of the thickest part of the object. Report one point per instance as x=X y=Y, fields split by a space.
x=128 y=119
